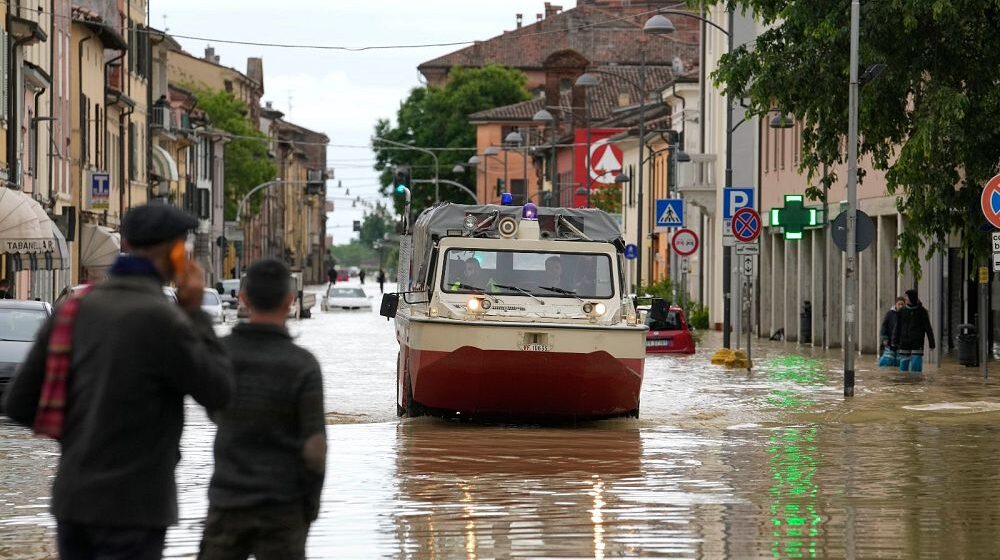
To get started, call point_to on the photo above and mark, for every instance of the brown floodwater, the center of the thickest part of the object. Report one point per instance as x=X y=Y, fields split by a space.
x=720 y=464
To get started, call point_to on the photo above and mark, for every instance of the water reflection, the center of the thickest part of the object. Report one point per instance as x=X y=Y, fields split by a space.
x=496 y=491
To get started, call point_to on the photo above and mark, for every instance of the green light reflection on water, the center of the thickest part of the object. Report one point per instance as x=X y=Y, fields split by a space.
x=792 y=461
x=795 y=518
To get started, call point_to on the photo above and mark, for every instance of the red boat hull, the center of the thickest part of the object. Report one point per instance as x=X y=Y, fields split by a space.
x=511 y=384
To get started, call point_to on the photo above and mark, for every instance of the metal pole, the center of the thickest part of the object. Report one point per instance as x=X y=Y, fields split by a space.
x=640 y=238
x=851 y=279
x=586 y=172
x=524 y=155
x=554 y=171
x=826 y=255
x=983 y=325
x=505 y=187
x=749 y=282
x=727 y=253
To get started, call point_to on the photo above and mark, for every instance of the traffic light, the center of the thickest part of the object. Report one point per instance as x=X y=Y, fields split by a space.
x=401 y=178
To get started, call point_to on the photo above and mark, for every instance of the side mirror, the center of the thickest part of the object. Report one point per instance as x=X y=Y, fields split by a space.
x=390 y=303
x=232 y=293
x=219 y=288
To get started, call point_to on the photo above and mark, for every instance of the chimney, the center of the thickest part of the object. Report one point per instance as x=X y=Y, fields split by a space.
x=268 y=105
x=551 y=10
x=538 y=17
x=520 y=18
x=210 y=55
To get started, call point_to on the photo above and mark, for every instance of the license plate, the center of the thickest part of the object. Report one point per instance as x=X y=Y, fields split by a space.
x=658 y=343
x=534 y=348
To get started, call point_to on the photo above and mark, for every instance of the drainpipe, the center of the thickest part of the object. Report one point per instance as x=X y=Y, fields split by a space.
x=14 y=126
x=122 y=142
x=52 y=104
x=83 y=163
x=34 y=124
x=105 y=100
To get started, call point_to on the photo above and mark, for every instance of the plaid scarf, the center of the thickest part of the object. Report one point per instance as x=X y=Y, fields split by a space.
x=52 y=401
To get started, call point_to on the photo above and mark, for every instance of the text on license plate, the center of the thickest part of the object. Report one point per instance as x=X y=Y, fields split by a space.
x=666 y=342
x=534 y=348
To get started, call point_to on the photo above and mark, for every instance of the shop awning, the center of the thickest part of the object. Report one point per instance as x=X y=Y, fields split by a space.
x=28 y=235
x=99 y=246
x=165 y=166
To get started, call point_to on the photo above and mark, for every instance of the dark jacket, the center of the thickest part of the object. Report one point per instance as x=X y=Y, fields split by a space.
x=913 y=324
x=135 y=355
x=277 y=406
x=888 y=325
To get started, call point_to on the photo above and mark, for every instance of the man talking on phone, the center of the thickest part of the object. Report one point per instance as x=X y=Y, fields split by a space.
x=107 y=378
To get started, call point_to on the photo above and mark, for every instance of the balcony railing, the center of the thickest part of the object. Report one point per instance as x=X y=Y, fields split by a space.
x=160 y=118
x=697 y=174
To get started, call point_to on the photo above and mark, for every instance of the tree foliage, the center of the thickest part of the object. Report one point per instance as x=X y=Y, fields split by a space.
x=439 y=117
x=246 y=161
x=931 y=121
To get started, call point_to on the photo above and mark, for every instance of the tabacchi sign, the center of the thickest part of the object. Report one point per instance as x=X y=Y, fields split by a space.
x=29 y=245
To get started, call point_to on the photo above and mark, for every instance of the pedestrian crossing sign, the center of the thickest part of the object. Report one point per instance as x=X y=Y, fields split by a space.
x=669 y=213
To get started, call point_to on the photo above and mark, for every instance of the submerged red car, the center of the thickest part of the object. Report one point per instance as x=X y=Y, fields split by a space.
x=668 y=330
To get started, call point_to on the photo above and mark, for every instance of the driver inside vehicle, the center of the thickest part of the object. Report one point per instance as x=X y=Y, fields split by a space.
x=553 y=273
x=472 y=275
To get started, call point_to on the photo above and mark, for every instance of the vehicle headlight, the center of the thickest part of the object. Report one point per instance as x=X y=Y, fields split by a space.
x=595 y=309
x=478 y=305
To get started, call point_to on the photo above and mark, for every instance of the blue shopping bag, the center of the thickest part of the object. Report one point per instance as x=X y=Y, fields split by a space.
x=888 y=358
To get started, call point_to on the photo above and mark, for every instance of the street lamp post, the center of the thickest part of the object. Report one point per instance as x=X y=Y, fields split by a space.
x=851 y=280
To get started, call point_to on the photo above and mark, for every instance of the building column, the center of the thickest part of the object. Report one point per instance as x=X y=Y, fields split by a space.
x=778 y=284
x=869 y=316
x=791 y=291
x=804 y=288
x=835 y=293
x=816 y=239
x=885 y=245
x=766 y=303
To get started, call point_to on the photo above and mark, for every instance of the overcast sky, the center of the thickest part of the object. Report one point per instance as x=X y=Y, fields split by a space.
x=339 y=93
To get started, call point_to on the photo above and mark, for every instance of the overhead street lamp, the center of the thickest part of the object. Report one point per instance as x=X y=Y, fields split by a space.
x=544 y=117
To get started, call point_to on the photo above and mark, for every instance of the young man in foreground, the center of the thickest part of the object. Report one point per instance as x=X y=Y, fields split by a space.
x=270 y=449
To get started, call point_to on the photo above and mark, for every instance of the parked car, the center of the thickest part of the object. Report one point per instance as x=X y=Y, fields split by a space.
x=229 y=290
x=342 y=297
x=19 y=324
x=343 y=276
x=211 y=303
x=668 y=329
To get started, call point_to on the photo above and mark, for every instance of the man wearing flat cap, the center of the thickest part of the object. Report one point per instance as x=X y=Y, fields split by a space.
x=108 y=376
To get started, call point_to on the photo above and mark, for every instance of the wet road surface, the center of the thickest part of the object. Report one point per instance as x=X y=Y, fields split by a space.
x=720 y=464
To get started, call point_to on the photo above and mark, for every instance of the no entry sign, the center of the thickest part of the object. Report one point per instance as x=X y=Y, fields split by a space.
x=685 y=242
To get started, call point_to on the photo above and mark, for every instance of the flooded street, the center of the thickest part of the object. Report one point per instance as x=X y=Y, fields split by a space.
x=720 y=464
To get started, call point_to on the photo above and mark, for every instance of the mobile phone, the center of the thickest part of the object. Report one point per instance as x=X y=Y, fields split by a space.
x=178 y=257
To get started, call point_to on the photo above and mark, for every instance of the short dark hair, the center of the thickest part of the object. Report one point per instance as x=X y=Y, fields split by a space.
x=267 y=284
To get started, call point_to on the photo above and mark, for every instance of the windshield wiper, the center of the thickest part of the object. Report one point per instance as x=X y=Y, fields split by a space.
x=521 y=290
x=561 y=291
x=479 y=291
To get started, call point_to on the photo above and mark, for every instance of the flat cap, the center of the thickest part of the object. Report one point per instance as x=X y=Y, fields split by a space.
x=152 y=224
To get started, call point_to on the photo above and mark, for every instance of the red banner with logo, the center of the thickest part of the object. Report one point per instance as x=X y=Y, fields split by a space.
x=606 y=162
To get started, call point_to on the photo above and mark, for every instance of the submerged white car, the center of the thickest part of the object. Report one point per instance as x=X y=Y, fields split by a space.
x=211 y=303
x=338 y=297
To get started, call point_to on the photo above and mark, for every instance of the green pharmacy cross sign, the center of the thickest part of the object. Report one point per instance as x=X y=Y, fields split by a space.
x=794 y=217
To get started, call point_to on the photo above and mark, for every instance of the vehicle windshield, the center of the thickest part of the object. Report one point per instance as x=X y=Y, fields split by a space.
x=20 y=324
x=566 y=275
x=210 y=298
x=672 y=322
x=347 y=292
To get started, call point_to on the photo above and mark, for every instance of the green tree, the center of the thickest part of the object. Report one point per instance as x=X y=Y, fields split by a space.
x=438 y=117
x=376 y=224
x=930 y=121
x=246 y=161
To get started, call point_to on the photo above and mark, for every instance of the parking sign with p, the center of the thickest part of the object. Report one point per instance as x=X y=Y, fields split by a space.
x=736 y=198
